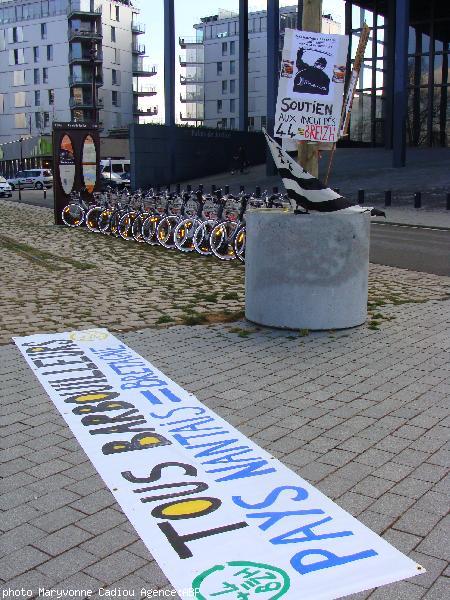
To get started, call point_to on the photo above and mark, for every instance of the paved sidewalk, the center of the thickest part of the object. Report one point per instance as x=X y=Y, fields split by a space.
x=362 y=414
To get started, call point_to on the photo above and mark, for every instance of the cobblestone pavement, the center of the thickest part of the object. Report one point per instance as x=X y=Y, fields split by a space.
x=361 y=414
x=55 y=279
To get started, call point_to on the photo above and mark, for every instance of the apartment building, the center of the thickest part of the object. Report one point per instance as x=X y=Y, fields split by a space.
x=49 y=53
x=211 y=62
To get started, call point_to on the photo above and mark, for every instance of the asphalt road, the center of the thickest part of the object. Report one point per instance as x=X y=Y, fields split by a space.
x=415 y=248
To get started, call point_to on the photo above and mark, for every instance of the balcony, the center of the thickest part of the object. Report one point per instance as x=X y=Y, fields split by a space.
x=142 y=69
x=191 y=97
x=85 y=57
x=191 y=80
x=76 y=80
x=83 y=34
x=185 y=61
x=184 y=42
x=138 y=48
x=144 y=90
x=189 y=116
x=145 y=112
x=137 y=27
x=84 y=103
x=84 y=8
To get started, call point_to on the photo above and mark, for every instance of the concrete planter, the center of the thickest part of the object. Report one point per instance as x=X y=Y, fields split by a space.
x=307 y=271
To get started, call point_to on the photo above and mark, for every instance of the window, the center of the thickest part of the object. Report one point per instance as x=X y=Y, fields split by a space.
x=117 y=13
x=114 y=12
x=219 y=68
x=36 y=54
x=232 y=86
x=232 y=47
x=232 y=123
x=115 y=98
x=50 y=52
x=20 y=121
x=46 y=116
x=20 y=99
x=2 y=40
x=224 y=48
x=224 y=123
x=37 y=97
x=43 y=31
x=115 y=77
x=16 y=57
x=113 y=34
x=232 y=105
x=37 y=79
x=19 y=78
x=2 y=103
x=15 y=35
x=264 y=122
x=51 y=97
x=116 y=56
x=219 y=106
x=224 y=86
x=45 y=75
x=232 y=67
x=38 y=120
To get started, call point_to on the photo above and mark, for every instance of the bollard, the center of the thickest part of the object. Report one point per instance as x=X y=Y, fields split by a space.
x=387 y=198
x=360 y=196
x=258 y=192
x=275 y=190
x=448 y=201
x=242 y=188
x=227 y=190
x=20 y=192
x=213 y=188
x=45 y=193
x=417 y=200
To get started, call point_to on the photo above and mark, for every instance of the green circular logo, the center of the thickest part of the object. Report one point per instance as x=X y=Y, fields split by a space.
x=241 y=580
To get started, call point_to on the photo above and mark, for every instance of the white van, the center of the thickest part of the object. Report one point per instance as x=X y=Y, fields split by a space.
x=116 y=165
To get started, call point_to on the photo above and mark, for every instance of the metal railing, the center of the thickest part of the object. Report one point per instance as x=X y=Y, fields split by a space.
x=189 y=116
x=192 y=80
x=83 y=33
x=138 y=48
x=137 y=27
x=84 y=80
x=141 y=67
x=145 y=112
x=190 y=97
x=86 y=7
x=183 y=41
x=145 y=90
x=81 y=102
x=73 y=57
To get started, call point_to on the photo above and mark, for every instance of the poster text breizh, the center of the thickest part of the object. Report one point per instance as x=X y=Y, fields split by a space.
x=311 y=86
x=223 y=518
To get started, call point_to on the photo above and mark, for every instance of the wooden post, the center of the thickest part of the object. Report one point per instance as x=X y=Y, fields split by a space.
x=307 y=154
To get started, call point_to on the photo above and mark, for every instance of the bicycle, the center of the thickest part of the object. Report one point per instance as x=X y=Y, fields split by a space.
x=74 y=213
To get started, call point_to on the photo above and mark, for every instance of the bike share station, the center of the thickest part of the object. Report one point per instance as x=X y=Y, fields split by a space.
x=309 y=270
x=76 y=153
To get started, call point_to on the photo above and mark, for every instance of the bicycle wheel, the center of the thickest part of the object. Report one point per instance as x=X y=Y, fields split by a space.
x=149 y=229
x=184 y=234
x=104 y=220
x=239 y=243
x=222 y=240
x=201 y=238
x=136 y=227
x=73 y=215
x=114 y=223
x=165 y=231
x=92 y=217
x=125 y=226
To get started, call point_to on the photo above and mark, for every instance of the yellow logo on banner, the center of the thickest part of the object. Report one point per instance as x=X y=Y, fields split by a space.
x=89 y=335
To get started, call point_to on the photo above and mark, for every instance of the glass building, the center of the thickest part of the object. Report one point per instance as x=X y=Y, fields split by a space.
x=421 y=50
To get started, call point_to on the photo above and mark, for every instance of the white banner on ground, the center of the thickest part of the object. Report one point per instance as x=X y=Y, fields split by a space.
x=223 y=518
x=311 y=86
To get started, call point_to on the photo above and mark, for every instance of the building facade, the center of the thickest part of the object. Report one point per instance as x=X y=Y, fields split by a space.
x=211 y=67
x=50 y=52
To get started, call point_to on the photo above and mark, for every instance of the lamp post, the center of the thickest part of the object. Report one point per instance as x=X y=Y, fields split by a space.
x=92 y=59
x=21 y=167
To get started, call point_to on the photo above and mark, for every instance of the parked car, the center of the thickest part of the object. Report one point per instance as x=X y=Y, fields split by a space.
x=113 y=181
x=126 y=179
x=33 y=178
x=116 y=165
x=5 y=188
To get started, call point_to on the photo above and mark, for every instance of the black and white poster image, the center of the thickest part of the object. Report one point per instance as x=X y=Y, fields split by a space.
x=311 y=86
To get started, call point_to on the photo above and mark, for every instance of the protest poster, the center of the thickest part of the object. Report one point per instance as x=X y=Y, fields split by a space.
x=223 y=518
x=311 y=86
